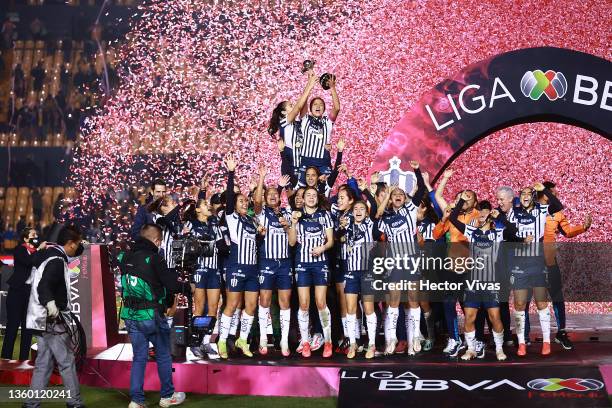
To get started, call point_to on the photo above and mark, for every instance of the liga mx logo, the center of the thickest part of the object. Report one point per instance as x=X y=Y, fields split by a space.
x=74 y=268
x=536 y=83
x=559 y=384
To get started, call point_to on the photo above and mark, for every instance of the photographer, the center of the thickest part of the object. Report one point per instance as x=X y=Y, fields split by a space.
x=148 y=288
x=143 y=214
x=19 y=294
x=48 y=312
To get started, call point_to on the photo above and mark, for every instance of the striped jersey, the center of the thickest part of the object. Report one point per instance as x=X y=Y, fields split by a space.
x=276 y=241
x=484 y=245
x=316 y=133
x=359 y=240
x=206 y=231
x=243 y=236
x=311 y=233
x=532 y=222
x=291 y=132
x=426 y=228
x=168 y=232
x=400 y=228
x=336 y=215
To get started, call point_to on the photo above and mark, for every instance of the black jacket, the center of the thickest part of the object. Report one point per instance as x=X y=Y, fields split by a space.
x=23 y=263
x=158 y=275
x=52 y=285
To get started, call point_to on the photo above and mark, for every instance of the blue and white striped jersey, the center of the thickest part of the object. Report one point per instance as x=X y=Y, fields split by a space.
x=243 y=236
x=400 y=228
x=316 y=133
x=276 y=241
x=311 y=233
x=291 y=132
x=484 y=245
x=527 y=223
x=359 y=240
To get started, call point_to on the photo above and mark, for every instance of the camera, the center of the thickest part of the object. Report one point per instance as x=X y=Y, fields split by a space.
x=187 y=250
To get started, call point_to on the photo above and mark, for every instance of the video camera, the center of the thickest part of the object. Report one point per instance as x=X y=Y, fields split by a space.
x=186 y=250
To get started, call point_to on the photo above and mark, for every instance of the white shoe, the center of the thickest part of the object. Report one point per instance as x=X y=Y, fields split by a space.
x=316 y=342
x=390 y=348
x=468 y=355
x=416 y=344
x=210 y=349
x=449 y=345
x=501 y=356
x=136 y=405
x=176 y=399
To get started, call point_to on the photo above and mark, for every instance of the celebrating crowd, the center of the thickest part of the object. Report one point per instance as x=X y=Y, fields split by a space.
x=325 y=236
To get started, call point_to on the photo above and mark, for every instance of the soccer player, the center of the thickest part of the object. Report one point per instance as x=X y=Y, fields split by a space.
x=275 y=269
x=484 y=240
x=203 y=225
x=399 y=225
x=316 y=133
x=528 y=262
x=312 y=231
x=241 y=275
x=357 y=234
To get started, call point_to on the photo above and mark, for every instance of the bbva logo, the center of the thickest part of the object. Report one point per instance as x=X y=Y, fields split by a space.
x=536 y=83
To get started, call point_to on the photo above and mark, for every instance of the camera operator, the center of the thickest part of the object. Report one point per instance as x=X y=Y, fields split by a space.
x=148 y=288
x=19 y=294
x=48 y=310
x=143 y=214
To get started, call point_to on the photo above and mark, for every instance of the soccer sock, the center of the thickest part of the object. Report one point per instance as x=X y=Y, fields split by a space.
x=246 y=321
x=269 y=328
x=224 y=326
x=409 y=323
x=345 y=327
x=235 y=320
x=498 y=338
x=303 y=323
x=285 y=322
x=391 y=324
x=264 y=313
x=469 y=339
x=324 y=315
x=351 y=322
x=429 y=323
x=416 y=322
x=371 y=322
x=545 y=324
x=358 y=323
x=559 y=308
x=519 y=321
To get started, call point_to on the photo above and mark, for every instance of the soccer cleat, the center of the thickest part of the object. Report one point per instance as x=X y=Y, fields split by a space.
x=300 y=347
x=416 y=344
x=305 y=349
x=450 y=344
x=480 y=349
x=427 y=345
x=562 y=339
x=285 y=349
x=244 y=347
x=316 y=342
x=327 y=349
x=456 y=347
x=501 y=356
x=401 y=347
x=390 y=347
x=468 y=355
x=546 y=348
x=134 y=404
x=222 y=345
x=351 y=351
x=176 y=399
x=371 y=352
x=210 y=349
x=343 y=346
x=522 y=350
x=197 y=352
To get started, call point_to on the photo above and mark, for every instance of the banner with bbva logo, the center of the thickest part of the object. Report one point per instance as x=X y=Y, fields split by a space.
x=529 y=85
x=473 y=386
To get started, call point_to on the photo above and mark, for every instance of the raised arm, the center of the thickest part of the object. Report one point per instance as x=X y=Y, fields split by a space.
x=336 y=101
x=420 y=193
x=230 y=164
x=454 y=215
x=258 y=197
x=292 y=232
x=554 y=205
x=385 y=201
x=363 y=186
x=439 y=195
x=510 y=230
x=301 y=102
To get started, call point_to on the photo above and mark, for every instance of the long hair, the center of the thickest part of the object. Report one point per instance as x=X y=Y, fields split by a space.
x=322 y=202
x=430 y=213
x=277 y=113
x=313 y=100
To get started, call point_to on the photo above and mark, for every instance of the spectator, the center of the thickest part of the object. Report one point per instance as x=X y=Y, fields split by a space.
x=19 y=81
x=8 y=34
x=71 y=120
x=37 y=205
x=65 y=78
x=27 y=122
x=38 y=74
x=66 y=50
x=21 y=224
x=38 y=31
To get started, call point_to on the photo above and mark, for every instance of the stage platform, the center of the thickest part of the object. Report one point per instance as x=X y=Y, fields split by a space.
x=274 y=375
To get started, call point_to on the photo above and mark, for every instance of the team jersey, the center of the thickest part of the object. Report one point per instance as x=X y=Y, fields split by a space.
x=529 y=222
x=316 y=133
x=169 y=230
x=400 y=228
x=209 y=231
x=276 y=241
x=426 y=228
x=336 y=215
x=484 y=245
x=243 y=239
x=291 y=132
x=311 y=233
x=359 y=239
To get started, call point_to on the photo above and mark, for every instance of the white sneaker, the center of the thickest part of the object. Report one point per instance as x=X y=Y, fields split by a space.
x=176 y=399
x=210 y=349
x=316 y=342
x=416 y=343
x=136 y=405
x=390 y=348
x=449 y=346
x=468 y=355
x=501 y=356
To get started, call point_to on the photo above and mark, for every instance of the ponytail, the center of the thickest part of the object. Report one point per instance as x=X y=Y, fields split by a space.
x=277 y=113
